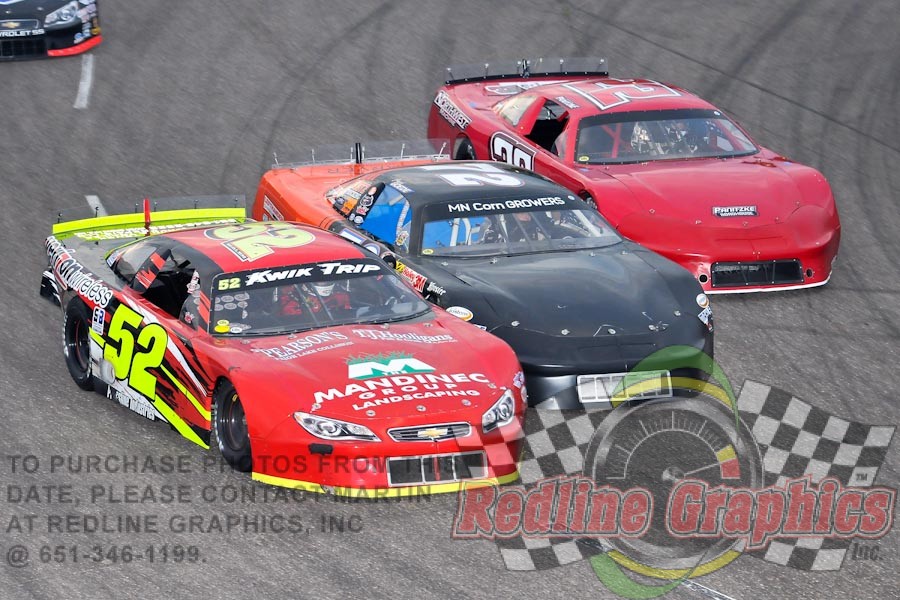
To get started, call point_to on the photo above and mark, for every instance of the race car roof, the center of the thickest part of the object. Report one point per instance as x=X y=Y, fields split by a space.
x=261 y=245
x=429 y=185
x=603 y=95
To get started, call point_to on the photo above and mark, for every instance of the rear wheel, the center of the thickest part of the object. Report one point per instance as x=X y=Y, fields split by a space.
x=230 y=433
x=77 y=343
x=465 y=151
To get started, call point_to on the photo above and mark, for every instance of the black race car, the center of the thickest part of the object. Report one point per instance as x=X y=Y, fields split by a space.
x=41 y=28
x=515 y=254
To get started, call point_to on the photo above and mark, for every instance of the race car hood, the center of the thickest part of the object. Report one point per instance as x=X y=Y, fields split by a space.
x=575 y=293
x=363 y=372
x=727 y=194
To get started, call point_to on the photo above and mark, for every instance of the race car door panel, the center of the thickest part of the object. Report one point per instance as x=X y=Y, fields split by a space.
x=148 y=358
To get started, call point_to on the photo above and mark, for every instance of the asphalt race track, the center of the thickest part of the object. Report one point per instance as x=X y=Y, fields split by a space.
x=193 y=97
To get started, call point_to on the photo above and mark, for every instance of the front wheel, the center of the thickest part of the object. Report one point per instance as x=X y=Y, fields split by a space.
x=77 y=343
x=465 y=151
x=229 y=432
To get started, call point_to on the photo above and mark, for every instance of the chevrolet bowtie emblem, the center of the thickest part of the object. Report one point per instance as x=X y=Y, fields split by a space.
x=433 y=433
x=11 y=24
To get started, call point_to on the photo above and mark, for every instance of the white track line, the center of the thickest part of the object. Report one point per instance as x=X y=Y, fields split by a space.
x=87 y=78
x=94 y=202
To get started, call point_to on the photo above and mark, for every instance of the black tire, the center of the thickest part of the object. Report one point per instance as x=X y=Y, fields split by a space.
x=229 y=432
x=77 y=343
x=465 y=151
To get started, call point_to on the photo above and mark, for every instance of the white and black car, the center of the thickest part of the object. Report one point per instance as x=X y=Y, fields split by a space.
x=43 y=28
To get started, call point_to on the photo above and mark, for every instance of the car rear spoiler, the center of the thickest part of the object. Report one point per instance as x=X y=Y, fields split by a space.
x=153 y=216
x=526 y=67
x=372 y=152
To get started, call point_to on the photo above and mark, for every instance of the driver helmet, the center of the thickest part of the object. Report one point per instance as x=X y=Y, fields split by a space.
x=323 y=289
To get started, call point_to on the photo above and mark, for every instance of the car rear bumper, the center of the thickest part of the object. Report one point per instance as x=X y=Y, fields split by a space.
x=755 y=266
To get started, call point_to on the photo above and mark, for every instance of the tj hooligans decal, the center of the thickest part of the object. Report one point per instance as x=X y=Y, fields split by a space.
x=392 y=336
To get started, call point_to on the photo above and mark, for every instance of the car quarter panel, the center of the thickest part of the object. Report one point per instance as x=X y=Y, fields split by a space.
x=142 y=357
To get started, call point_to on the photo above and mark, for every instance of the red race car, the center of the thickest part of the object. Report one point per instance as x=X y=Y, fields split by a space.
x=666 y=168
x=294 y=352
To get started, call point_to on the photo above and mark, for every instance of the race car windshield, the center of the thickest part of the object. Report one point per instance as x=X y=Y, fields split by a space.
x=310 y=296
x=659 y=135
x=513 y=227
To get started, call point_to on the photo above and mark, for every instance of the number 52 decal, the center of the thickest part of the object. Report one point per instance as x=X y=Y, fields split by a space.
x=250 y=241
x=132 y=348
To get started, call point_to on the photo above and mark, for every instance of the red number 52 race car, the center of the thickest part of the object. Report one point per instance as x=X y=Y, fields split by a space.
x=666 y=168
x=295 y=353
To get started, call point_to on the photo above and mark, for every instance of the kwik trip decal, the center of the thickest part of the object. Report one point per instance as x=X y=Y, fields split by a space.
x=399 y=377
x=326 y=269
x=70 y=272
x=659 y=493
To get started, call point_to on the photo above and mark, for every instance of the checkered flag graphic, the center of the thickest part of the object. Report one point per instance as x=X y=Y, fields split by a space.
x=555 y=444
x=795 y=439
x=798 y=439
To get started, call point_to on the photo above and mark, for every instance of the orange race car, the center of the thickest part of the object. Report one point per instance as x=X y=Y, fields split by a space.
x=283 y=191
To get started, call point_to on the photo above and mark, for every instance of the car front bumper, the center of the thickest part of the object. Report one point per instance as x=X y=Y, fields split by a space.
x=290 y=457
x=68 y=40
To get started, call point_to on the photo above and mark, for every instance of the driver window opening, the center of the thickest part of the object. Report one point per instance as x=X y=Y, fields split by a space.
x=169 y=276
x=549 y=126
